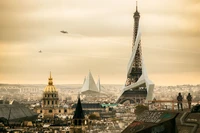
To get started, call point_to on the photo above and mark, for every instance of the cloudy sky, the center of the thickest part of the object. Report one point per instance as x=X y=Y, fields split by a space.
x=99 y=39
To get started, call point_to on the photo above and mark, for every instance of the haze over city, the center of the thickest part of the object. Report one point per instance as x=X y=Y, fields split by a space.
x=106 y=66
x=99 y=39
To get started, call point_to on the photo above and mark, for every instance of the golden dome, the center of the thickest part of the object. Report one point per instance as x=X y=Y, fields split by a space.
x=50 y=87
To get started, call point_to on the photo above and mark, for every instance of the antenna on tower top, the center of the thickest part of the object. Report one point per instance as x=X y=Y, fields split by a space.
x=136 y=6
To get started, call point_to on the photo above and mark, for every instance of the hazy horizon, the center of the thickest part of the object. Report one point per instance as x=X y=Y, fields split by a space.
x=101 y=84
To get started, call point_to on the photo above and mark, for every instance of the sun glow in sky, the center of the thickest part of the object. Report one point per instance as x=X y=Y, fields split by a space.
x=99 y=39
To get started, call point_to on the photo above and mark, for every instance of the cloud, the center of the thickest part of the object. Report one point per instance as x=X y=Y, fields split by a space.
x=100 y=37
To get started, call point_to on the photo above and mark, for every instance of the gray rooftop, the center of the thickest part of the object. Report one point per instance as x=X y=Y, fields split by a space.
x=15 y=111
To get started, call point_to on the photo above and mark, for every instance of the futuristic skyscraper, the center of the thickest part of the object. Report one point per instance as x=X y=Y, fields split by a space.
x=137 y=87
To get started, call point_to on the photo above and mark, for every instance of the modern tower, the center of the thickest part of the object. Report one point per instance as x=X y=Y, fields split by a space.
x=99 y=85
x=136 y=70
x=136 y=17
x=137 y=87
x=89 y=87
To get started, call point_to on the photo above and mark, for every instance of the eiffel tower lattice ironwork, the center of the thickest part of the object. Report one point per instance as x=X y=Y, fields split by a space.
x=138 y=87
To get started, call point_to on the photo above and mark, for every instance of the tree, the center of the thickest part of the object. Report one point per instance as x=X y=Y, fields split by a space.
x=140 y=108
x=93 y=117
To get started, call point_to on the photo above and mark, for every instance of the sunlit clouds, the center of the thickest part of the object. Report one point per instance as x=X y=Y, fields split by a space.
x=99 y=39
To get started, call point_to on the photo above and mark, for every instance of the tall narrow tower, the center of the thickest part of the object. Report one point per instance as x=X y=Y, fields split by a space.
x=136 y=71
x=79 y=123
x=138 y=88
x=136 y=17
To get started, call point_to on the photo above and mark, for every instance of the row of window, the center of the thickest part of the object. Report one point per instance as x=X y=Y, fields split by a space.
x=80 y=122
x=50 y=111
x=48 y=102
x=52 y=95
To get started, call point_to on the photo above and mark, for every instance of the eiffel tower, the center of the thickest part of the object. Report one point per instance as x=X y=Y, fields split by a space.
x=137 y=88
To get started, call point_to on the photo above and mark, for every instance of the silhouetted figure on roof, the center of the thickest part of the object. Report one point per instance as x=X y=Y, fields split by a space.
x=189 y=99
x=180 y=100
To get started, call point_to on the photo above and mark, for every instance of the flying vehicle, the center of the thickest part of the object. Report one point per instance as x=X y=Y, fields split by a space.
x=40 y=51
x=64 y=32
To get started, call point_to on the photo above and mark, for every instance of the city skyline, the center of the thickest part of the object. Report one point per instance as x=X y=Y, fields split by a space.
x=99 y=39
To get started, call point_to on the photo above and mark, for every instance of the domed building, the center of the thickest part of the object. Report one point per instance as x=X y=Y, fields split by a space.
x=50 y=102
x=50 y=95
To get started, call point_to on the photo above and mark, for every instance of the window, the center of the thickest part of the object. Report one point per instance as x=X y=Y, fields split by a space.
x=52 y=102
x=50 y=111
x=79 y=122
x=65 y=110
x=59 y=111
x=55 y=102
x=75 y=122
x=40 y=111
x=48 y=102
x=52 y=95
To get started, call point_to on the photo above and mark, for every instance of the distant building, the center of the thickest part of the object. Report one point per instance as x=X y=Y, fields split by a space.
x=89 y=108
x=50 y=102
x=90 y=90
x=89 y=86
x=12 y=112
x=165 y=122
x=79 y=123
x=99 y=85
x=153 y=122
x=50 y=95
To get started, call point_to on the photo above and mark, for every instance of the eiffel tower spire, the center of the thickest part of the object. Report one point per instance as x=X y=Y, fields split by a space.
x=136 y=7
x=136 y=17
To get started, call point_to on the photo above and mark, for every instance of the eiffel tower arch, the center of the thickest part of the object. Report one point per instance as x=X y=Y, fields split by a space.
x=138 y=87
